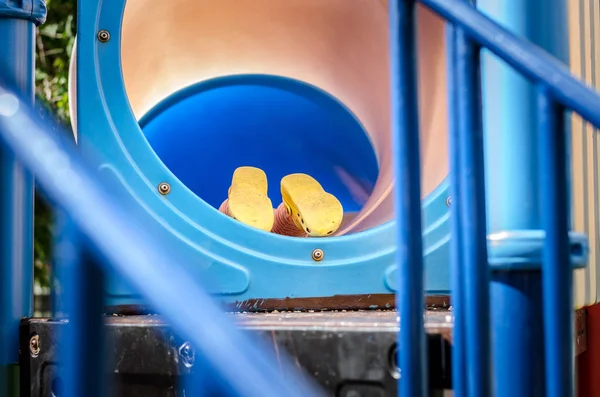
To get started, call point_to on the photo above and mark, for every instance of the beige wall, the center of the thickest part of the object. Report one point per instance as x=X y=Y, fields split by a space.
x=584 y=20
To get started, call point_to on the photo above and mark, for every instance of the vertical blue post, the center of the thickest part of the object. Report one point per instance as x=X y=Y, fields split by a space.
x=405 y=134
x=472 y=217
x=459 y=346
x=510 y=108
x=17 y=60
x=513 y=196
x=557 y=271
x=82 y=291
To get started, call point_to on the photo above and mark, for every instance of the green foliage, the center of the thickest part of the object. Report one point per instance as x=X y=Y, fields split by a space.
x=42 y=243
x=54 y=43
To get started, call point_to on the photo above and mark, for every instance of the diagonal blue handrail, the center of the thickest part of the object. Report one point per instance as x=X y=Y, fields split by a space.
x=236 y=361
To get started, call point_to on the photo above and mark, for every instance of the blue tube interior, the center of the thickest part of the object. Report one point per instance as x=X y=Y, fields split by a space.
x=203 y=132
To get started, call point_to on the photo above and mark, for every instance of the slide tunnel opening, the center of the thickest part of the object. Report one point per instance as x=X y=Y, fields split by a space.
x=287 y=86
x=205 y=131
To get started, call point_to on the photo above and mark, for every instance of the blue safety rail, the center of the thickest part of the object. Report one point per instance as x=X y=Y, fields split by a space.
x=468 y=32
x=96 y=231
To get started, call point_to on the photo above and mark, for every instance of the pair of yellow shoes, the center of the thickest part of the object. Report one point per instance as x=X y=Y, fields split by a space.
x=307 y=204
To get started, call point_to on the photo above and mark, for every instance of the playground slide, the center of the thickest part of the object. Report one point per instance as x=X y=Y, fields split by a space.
x=173 y=96
x=308 y=81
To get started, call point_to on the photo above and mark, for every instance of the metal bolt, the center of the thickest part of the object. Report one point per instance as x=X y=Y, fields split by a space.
x=34 y=345
x=393 y=362
x=103 y=36
x=318 y=255
x=449 y=201
x=187 y=354
x=164 y=188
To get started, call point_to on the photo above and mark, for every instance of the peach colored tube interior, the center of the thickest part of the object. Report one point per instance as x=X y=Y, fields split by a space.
x=340 y=46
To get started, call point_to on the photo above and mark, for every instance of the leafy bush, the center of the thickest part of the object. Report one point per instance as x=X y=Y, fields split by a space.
x=54 y=43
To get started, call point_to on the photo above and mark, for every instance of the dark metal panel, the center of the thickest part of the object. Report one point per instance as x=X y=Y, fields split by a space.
x=349 y=353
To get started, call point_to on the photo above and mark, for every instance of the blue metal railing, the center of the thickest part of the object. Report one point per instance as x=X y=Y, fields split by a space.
x=95 y=231
x=468 y=32
x=458 y=354
x=405 y=124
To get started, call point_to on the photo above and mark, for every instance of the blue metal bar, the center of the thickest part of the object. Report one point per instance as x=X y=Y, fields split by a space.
x=472 y=217
x=510 y=125
x=17 y=61
x=456 y=259
x=82 y=289
x=513 y=194
x=530 y=60
x=517 y=333
x=557 y=273
x=16 y=200
x=130 y=247
x=405 y=133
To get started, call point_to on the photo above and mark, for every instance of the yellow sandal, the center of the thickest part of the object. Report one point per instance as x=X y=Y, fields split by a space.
x=248 y=200
x=313 y=210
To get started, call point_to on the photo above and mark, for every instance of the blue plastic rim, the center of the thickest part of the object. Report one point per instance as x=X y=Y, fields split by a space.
x=205 y=131
x=243 y=262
